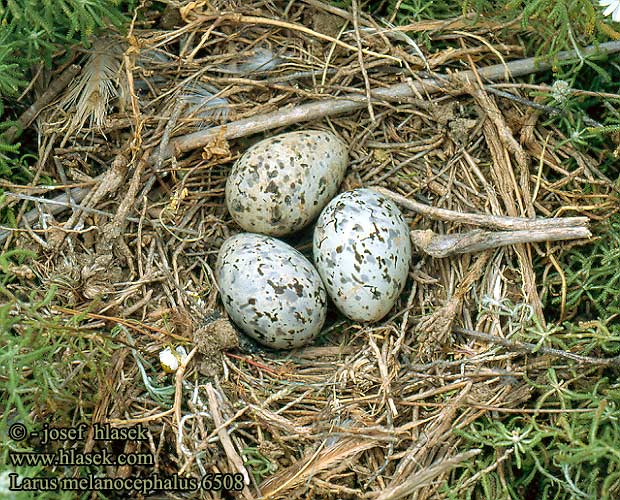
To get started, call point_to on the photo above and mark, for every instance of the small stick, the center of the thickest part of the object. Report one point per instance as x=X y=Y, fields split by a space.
x=551 y=110
x=58 y=204
x=231 y=453
x=178 y=391
x=446 y=245
x=360 y=58
x=425 y=476
x=490 y=221
x=533 y=348
x=63 y=179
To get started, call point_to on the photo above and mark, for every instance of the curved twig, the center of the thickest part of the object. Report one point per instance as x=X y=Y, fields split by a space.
x=331 y=107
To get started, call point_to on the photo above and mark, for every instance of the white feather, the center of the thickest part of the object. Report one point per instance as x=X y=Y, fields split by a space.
x=257 y=61
x=97 y=84
x=202 y=101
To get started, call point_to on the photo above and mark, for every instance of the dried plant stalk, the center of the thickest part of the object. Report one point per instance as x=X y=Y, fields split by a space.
x=485 y=220
x=447 y=245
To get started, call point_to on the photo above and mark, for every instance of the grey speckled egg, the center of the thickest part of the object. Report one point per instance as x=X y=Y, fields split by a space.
x=362 y=251
x=270 y=290
x=282 y=183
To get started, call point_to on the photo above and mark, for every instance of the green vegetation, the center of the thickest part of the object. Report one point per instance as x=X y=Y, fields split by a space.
x=565 y=446
x=550 y=25
x=260 y=465
x=45 y=366
x=31 y=31
x=568 y=450
x=580 y=109
x=592 y=283
x=567 y=455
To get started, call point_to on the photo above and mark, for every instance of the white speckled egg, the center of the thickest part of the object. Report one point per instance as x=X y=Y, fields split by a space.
x=282 y=183
x=362 y=251
x=270 y=290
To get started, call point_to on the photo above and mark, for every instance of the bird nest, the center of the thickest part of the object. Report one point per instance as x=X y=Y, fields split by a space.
x=139 y=140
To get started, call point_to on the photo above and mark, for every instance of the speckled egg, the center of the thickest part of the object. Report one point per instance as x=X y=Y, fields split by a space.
x=282 y=183
x=362 y=251
x=270 y=290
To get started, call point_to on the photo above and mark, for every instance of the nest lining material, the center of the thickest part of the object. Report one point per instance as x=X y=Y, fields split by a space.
x=140 y=147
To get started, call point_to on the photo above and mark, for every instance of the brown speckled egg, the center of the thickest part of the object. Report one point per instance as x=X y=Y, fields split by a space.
x=362 y=251
x=282 y=183
x=270 y=290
